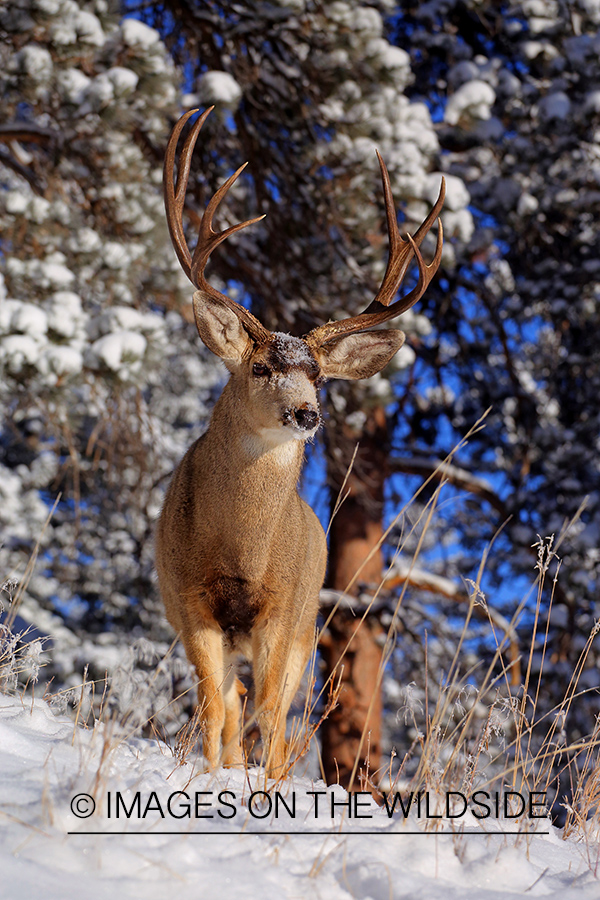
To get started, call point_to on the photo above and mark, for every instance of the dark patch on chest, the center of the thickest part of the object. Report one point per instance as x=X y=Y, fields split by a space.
x=234 y=606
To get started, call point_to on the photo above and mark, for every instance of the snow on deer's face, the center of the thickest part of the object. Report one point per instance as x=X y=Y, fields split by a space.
x=282 y=390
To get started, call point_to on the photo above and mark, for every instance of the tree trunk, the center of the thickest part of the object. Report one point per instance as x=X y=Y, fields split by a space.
x=351 y=649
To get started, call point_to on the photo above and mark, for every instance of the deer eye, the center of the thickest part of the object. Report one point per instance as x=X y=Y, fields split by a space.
x=259 y=369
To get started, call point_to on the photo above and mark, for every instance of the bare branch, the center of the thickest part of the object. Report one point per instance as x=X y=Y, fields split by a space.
x=455 y=475
x=11 y=163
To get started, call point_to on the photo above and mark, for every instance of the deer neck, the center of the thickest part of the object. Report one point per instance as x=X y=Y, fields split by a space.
x=255 y=482
x=249 y=449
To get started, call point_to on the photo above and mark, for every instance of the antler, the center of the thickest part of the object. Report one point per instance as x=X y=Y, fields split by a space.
x=208 y=239
x=400 y=255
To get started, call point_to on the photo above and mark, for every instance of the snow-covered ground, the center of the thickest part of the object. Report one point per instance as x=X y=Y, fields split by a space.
x=216 y=850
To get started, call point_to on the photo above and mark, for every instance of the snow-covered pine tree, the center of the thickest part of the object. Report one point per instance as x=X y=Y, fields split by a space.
x=517 y=88
x=103 y=383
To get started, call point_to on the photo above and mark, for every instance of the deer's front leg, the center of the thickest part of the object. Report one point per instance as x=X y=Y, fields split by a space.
x=279 y=660
x=218 y=695
x=231 y=733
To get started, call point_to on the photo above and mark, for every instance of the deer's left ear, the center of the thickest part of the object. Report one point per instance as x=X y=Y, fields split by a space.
x=358 y=355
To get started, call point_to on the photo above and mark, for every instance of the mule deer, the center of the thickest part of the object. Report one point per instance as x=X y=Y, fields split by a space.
x=240 y=556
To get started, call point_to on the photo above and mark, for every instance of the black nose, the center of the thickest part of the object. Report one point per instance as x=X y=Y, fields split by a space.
x=306 y=417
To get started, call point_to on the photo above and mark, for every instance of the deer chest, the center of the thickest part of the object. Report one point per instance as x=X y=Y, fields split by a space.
x=235 y=604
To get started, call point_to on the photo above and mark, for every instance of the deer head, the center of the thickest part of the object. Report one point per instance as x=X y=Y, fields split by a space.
x=278 y=374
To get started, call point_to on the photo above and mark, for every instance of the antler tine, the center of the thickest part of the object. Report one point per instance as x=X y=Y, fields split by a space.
x=401 y=250
x=400 y=255
x=175 y=195
x=208 y=239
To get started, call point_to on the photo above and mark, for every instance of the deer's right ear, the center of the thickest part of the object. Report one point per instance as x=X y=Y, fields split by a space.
x=220 y=329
